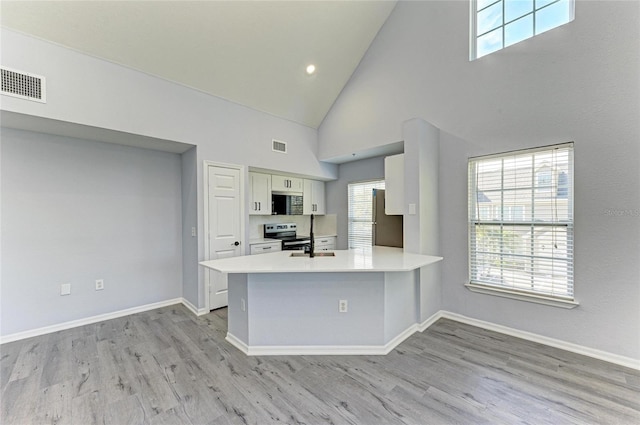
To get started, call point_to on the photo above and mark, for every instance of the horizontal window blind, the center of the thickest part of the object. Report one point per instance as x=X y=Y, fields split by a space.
x=521 y=221
x=361 y=212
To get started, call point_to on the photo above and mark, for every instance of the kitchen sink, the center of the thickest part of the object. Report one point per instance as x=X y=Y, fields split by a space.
x=317 y=254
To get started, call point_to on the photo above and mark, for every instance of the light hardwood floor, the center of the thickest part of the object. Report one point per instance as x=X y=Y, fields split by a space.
x=167 y=366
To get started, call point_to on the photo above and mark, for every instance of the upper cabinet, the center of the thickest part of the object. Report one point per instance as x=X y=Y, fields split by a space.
x=260 y=189
x=262 y=186
x=286 y=184
x=394 y=184
x=313 y=200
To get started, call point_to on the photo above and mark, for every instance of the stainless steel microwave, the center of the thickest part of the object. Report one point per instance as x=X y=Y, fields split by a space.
x=286 y=204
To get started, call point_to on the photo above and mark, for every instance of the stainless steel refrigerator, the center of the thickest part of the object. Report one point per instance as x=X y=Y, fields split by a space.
x=387 y=229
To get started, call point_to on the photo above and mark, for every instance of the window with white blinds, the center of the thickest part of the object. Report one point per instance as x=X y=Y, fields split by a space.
x=521 y=221
x=361 y=212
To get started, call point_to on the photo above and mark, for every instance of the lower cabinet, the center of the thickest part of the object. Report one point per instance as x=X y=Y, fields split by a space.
x=327 y=243
x=265 y=247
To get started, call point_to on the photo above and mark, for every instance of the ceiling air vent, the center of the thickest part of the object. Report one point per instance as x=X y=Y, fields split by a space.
x=278 y=146
x=23 y=85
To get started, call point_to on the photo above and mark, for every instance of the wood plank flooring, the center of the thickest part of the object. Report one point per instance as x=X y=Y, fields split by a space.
x=167 y=366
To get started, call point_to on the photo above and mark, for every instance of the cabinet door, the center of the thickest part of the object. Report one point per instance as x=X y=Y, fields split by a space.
x=313 y=198
x=296 y=184
x=286 y=184
x=307 y=198
x=394 y=184
x=260 y=188
x=279 y=183
x=319 y=198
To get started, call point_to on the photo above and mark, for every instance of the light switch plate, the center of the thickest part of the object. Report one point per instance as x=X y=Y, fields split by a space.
x=65 y=289
x=412 y=209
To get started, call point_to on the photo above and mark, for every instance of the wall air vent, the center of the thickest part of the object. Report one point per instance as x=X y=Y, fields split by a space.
x=278 y=146
x=23 y=85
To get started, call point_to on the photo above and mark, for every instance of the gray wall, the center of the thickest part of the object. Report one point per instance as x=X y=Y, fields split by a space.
x=336 y=191
x=576 y=83
x=89 y=91
x=74 y=211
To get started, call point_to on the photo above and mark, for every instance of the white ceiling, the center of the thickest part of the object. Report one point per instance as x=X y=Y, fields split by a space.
x=250 y=52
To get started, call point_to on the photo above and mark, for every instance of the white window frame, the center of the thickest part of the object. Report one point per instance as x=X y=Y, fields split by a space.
x=473 y=13
x=356 y=240
x=497 y=283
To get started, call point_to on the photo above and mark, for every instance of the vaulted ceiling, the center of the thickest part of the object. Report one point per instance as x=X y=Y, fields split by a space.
x=250 y=52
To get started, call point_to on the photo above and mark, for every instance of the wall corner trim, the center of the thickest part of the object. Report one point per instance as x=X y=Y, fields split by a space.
x=541 y=339
x=193 y=308
x=231 y=339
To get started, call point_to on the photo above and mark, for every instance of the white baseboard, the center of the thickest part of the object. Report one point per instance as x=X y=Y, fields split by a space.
x=321 y=350
x=391 y=345
x=387 y=348
x=87 y=320
x=552 y=342
x=231 y=339
x=430 y=321
x=339 y=350
x=193 y=308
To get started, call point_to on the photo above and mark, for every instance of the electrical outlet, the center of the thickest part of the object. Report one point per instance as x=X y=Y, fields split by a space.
x=343 y=306
x=65 y=289
x=193 y=232
x=99 y=285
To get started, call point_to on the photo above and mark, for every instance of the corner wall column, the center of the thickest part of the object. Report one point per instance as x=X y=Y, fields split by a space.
x=422 y=230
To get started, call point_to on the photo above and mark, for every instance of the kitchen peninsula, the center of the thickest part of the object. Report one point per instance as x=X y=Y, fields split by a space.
x=279 y=304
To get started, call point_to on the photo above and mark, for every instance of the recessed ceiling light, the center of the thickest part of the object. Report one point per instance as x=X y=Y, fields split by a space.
x=311 y=69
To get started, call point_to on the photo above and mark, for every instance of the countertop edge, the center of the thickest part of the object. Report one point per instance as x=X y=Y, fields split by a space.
x=307 y=267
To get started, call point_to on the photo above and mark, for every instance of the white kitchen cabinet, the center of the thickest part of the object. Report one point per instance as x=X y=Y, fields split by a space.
x=260 y=189
x=394 y=184
x=286 y=184
x=325 y=243
x=313 y=201
x=265 y=247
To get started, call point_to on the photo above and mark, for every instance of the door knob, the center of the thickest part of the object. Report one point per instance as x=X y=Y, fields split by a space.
x=236 y=243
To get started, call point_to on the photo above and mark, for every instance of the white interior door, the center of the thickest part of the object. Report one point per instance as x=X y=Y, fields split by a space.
x=224 y=225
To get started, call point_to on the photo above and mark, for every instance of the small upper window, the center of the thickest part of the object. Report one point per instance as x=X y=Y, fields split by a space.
x=496 y=24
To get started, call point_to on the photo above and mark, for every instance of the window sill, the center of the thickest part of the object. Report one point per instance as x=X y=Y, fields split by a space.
x=506 y=293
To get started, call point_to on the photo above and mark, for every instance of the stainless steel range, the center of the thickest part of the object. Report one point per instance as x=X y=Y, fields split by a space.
x=287 y=233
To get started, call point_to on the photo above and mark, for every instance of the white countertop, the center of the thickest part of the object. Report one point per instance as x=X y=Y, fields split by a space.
x=374 y=259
